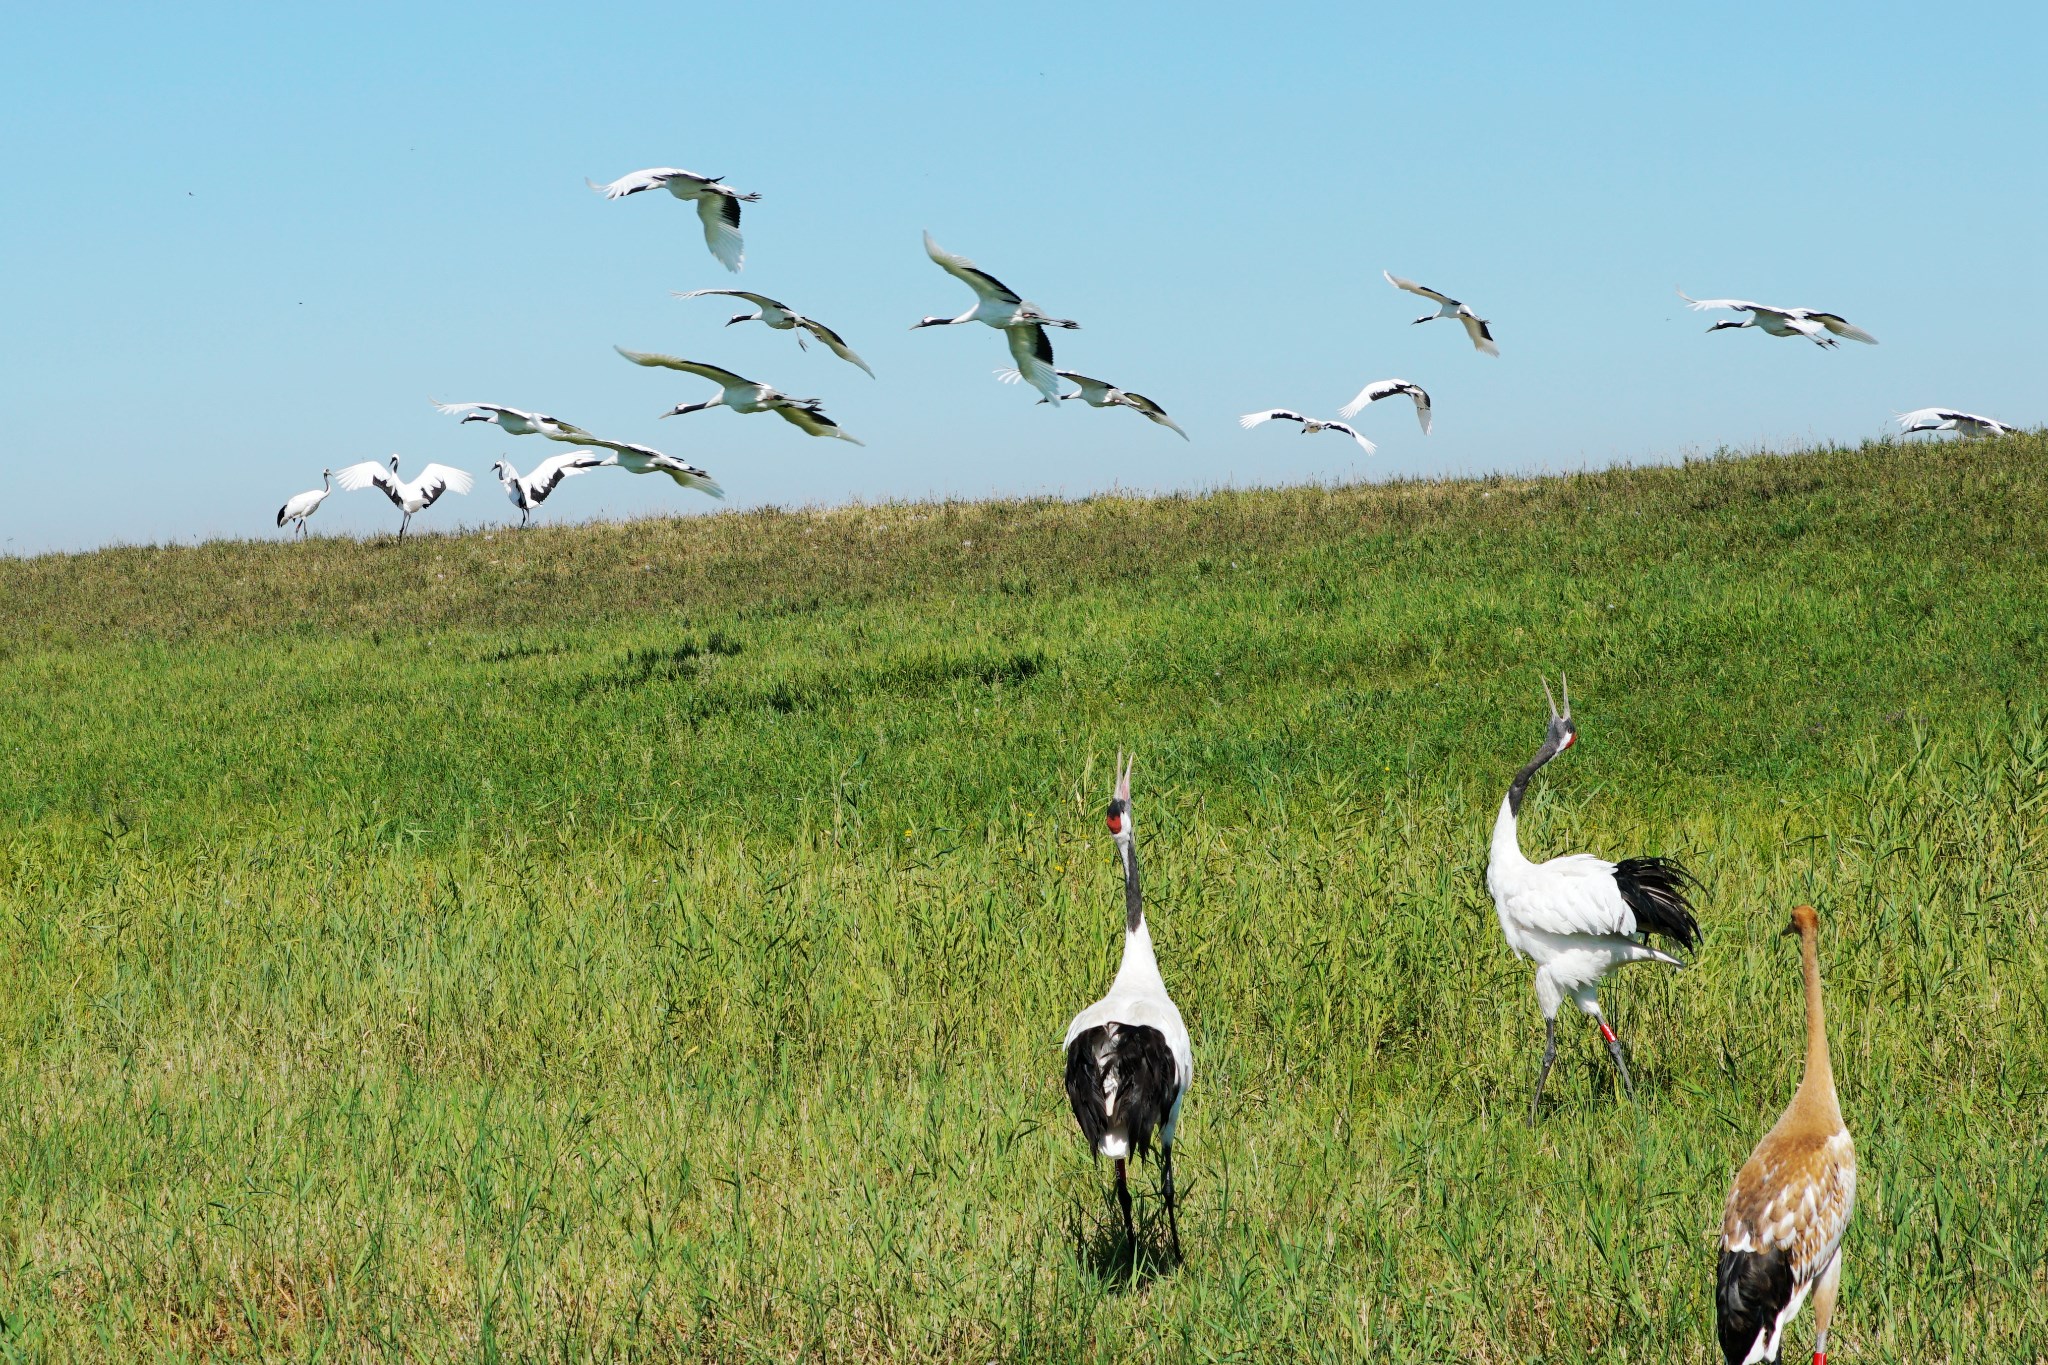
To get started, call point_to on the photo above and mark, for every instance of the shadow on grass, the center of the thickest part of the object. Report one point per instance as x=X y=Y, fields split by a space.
x=1121 y=1263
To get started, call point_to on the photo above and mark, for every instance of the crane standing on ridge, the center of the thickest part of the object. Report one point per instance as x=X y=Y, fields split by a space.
x=1579 y=917
x=1129 y=1061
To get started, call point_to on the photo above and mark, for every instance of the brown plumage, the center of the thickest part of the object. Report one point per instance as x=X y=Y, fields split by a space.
x=1781 y=1236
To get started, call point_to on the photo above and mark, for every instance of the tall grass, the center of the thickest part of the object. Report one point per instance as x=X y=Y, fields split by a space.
x=653 y=941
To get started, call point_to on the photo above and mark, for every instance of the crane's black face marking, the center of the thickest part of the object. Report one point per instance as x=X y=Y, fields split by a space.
x=1118 y=808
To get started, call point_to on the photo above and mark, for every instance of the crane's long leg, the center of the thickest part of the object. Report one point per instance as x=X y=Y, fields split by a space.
x=1166 y=1188
x=1824 y=1306
x=1543 y=1073
x=1123 y=1199
x=1614 y=1048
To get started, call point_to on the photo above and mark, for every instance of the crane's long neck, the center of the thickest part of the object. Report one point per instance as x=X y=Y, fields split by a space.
x=1520 y=785
x=1140 y=965
x=1816 y=1097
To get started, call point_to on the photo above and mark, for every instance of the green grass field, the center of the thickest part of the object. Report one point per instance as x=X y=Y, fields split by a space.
x=653 y=941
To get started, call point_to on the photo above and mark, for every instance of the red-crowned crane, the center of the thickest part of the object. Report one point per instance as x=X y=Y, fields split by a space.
x=1969 y=424
x=515 y=422
x=1099 y=393
x=1129 y=1061
x=417 y=496
x=743 y=395
x=1476 y=327
x=1309 y=425
x=782 y=318
x=1781 y=1236
x=1387 y=388
x=1022 y=323
x=1579 y=917
x=530 y=491
x=1810 y=323
x=718 y=205
x=299 y=506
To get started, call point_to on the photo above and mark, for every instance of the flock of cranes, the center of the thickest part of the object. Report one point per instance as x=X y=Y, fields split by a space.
x=1129 y=1059
x=1025 y=328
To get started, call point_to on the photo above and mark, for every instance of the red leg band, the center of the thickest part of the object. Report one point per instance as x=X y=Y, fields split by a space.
x=1606 y=1032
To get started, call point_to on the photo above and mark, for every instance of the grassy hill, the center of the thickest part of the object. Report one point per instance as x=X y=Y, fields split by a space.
x=653 y=940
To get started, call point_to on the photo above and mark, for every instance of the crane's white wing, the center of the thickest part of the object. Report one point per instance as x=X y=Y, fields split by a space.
x=1094 y=392
x=635 y=181
x=370 y=473
x=761 y=301
x=566 y=432
x=687 y=475
x=1414 y=288
x=1575 y=894
x=455 y=480
x=1842 y=327
x=1366 y=445
x=721 y=215
x=815 y=423
x=1152 y=410
x=1912 y=420
x=1031 y=348
x=452 y=408
x=1387 y=388
x=556 y=468
x=1252 y=419
x=1739 y=305
x=965 y=271
x=834 y=343
x=722 y=377
x=1475 y=327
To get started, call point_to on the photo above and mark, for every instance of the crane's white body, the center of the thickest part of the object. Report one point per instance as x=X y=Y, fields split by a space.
x=1566 y=915
x=782 y=318
x=1097 y=393
x=299 y=506
x=997 y=305
x=529 y=491
x=743 y=395
x=1475 y=326
x=416 y=495
x=1813 y=324
x=718 y=205
x=1138 y=999
x=638 y=459
x=515 y=422
x=1309 y=425
x=1387 y=388
x=1968 y=424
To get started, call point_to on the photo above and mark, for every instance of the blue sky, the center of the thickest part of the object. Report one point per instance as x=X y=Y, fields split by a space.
x=251 y=241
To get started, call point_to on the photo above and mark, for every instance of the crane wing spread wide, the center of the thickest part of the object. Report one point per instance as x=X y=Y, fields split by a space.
x=721 y=215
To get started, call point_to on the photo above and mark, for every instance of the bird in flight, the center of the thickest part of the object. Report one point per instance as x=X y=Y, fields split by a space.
x=718 y=205
x=783 y=318
x=1448 y=307
x=1309 y=425
x=1818 y=327
x=1097 y=393
x=1387 y=388
x=1023 y=323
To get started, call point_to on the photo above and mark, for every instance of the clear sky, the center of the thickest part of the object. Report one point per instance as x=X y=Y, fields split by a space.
x=243 y=242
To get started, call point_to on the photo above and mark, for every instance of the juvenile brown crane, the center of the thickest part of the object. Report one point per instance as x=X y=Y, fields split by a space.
x=1781 y=1236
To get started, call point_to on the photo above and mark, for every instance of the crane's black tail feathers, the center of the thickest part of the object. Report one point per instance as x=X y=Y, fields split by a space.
x=1751 y=1289
x=1140 y=1063
x=1656 y=890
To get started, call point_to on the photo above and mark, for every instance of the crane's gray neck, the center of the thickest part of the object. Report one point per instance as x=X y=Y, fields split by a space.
x=1521 y=782
x=1134 y=901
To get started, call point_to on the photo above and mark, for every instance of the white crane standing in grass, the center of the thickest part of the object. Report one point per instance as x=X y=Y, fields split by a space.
x=1579 y=917
x=530 y=491
x=1476 y=327
x=647 y=460
x=417 y=496
x=1022 y=323
x=782 y=318
x=1810 y=323
x=299 y=506
x=1969 y=424
x=718 y=205
x=1309 y=425
x=1387 y=388
x=1129 y=1061
x=514 y=422
x=1097 y=393
x=1781 y=1235
x=742 y=395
